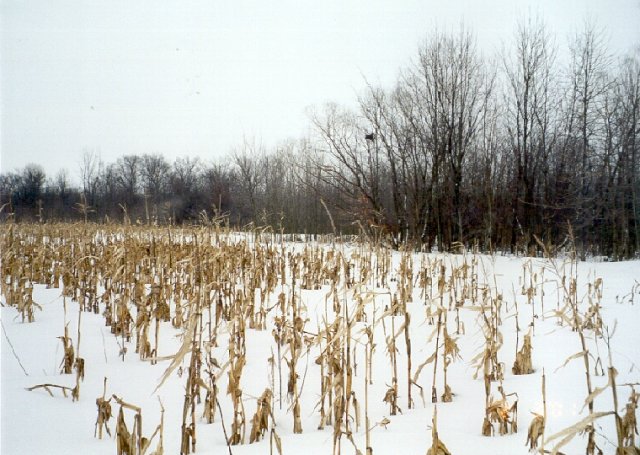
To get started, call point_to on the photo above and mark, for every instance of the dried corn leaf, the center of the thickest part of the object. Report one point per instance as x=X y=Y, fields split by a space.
x=430 y=359
x=569 y=433
x=185 y=348
x=569 y=359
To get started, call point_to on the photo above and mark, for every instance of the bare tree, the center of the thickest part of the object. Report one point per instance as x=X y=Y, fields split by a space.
x=109 y=192
x=246 y=163
x=462 y=89
x=389 y=135
x=61 y=183
x=185 y=182
x=352 y=166
x=217 y=182
x=31 y=185
x=154 y=173
x=528 y=72
x=629 y=125
x=90 y=170
x=617 y=188
x=589 y=83
x=128 y=169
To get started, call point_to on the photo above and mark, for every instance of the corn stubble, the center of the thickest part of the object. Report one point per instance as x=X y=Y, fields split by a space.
x=213 y=288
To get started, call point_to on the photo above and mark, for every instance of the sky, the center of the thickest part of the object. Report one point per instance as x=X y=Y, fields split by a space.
x=195 y=77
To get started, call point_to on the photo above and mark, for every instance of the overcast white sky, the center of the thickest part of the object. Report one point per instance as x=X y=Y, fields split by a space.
x=192 y=77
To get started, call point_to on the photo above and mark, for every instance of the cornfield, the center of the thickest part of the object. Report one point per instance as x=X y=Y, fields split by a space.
x=251 y=338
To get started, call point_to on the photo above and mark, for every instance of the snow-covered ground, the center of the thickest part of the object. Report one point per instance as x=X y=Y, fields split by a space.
x=33 y=422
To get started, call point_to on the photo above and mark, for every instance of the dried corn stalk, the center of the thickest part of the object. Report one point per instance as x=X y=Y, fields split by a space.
x=450 y=354
x=104 y=413
x=128 y=442
x=503 y=414
x=69 y=353
x=260 y=420
x=237 y=361
x=629 y=423
x=437 y=446
x=535 y=432
x=27 y=305
x=522 y=364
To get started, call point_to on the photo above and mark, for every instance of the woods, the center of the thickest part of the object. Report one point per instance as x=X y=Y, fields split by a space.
x=466 y=148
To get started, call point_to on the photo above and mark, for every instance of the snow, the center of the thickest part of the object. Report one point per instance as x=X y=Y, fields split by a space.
x=34 y=422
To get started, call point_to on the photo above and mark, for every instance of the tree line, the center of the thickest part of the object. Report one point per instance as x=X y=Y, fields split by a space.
x=463 y=149
x=251 y=186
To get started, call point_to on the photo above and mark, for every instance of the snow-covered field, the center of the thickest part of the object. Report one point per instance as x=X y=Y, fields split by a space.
x=528 y=291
